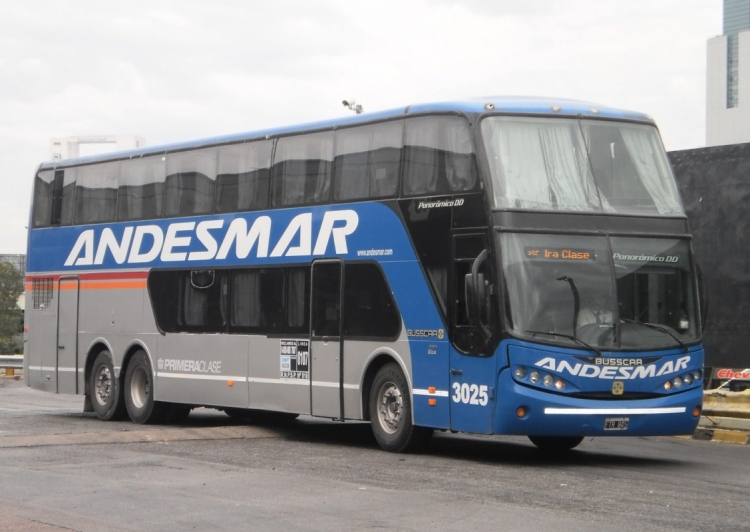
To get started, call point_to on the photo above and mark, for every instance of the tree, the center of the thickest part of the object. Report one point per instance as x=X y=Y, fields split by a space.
x=11 y=287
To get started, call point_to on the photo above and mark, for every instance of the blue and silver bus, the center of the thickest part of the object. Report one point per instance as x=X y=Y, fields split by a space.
x=497 y=266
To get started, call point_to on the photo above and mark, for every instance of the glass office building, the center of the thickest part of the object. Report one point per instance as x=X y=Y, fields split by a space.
x=728 y=78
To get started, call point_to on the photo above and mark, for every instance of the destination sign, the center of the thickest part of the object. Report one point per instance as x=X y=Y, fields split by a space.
x=560 y=254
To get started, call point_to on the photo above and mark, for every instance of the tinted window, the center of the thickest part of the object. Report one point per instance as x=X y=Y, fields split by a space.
x=302 y=169
x=141 y=189
x=190 y=182
x=369 y=309
x=189 y=301
x=96 y=193
x=66 y=179
x=257 y=301
x=326 y=312
x=44 y=185
x=298 y=301
x=242 y=181
x=438 y=156
x=367 y=161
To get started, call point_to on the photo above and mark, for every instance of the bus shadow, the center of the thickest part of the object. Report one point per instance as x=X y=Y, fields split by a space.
x=494 y=450
x=491 y=450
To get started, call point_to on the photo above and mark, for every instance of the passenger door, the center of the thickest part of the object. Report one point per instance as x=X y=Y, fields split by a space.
x=67 y=335
x=326 y=344
x=472 y=367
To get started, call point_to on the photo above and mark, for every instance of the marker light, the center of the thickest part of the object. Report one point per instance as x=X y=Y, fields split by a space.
x=520 y=372
x=548 y=380
x=535 y=377
x=559 y=384
x=668 y=385
x=696 y=411
x=521 y=411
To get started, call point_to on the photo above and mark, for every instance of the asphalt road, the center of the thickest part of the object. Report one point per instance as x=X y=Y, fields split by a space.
x=61 y=469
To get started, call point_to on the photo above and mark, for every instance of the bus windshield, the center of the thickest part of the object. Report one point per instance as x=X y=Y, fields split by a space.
x=638 y=295
x=579 y=165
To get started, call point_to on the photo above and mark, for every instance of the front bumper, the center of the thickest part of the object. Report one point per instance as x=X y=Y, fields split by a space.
x=549 y=414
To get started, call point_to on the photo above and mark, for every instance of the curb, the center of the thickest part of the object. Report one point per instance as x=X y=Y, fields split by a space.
x=726 y=417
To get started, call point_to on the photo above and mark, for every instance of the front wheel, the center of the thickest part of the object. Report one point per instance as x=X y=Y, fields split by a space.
x=391 y=413
x=139 y=391
x=556 y=443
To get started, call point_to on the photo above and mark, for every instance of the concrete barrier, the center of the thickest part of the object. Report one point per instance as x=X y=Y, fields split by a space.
x=722 y=403
x=726 y=417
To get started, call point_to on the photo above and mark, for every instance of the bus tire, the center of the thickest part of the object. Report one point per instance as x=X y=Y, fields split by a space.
x=139 y=391
x=391 y=413
x=104 y=389
x=556 y=443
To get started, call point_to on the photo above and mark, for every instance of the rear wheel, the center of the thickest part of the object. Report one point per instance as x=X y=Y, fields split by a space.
x=391 y=413
x=556 y=443
x=139 y=391
x=104 y=389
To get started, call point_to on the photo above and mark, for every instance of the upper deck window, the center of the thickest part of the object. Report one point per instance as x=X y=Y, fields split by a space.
x=244 y=171
x=367 y=161
x=573 y=165
x=191 y=176
x=438 y=156
x=141 y=188
x=302 y=169
x=96 y=193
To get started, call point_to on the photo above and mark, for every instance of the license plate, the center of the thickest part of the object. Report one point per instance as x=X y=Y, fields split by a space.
x=616 y=423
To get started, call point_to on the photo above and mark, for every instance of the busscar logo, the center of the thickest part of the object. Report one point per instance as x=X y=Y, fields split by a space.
x=146 y=243
x=426 y=333
x=618 y=388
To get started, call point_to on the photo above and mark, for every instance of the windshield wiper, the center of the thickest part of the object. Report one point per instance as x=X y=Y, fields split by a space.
x=569 y=337
x=656 y=328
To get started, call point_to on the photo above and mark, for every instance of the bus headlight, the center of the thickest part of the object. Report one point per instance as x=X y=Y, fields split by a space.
x=668 y=385
x=677 y=381
x=535 y=377
x=688 y=378
x=519 y=372
x=548 y=380
x=697 y=375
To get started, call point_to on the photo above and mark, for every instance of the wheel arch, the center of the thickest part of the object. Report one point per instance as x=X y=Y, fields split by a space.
x=377 y=360
x=96 y=347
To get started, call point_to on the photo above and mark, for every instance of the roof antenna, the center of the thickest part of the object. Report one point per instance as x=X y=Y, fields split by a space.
x=353 y=106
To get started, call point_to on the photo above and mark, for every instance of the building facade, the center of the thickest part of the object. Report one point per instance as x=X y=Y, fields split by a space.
x=728 y=78
x=71 y=147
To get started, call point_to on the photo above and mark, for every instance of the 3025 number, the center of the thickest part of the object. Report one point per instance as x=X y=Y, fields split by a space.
x=470 y=394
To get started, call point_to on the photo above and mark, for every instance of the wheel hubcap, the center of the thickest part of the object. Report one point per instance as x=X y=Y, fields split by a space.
x=390 y=407
x=139 y=388
x=103 y=386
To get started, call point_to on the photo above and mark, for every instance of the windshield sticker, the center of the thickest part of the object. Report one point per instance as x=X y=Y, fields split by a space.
x=672 y=259
x=560 y=254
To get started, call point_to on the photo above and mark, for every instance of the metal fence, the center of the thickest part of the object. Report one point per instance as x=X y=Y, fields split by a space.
x=10 y=363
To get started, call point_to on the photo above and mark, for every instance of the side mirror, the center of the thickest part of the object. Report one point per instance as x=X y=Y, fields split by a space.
x=478 y=296
x=702 y=296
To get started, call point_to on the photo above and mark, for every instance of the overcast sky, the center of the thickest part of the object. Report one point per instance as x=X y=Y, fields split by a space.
x=177 y=70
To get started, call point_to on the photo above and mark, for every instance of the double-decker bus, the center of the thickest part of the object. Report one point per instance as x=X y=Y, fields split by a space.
x=498 y=266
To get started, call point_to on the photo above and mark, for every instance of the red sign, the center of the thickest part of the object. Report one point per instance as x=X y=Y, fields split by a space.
x=735 y=374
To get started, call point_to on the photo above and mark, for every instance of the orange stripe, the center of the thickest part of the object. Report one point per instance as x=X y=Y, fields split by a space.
x=98 y=285
x=95 y=285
